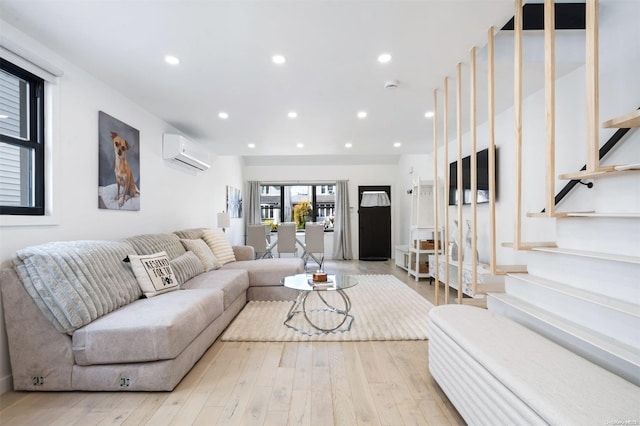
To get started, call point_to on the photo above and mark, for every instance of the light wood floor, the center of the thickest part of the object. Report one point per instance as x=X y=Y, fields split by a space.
x=341 y=383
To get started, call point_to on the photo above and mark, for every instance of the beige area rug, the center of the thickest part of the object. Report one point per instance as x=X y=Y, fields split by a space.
x=384 y=309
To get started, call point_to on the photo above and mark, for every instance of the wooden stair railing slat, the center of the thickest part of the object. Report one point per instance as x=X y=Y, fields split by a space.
x=492 y=150
x=592 y=92
x=459 y=168
x=445 y=138
x=436 y=213
x=550 y=104
x=474 y=171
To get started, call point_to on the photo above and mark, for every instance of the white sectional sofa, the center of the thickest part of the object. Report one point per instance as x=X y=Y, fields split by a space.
x=82 y=323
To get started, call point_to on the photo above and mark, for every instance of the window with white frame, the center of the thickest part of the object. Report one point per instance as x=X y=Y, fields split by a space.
x=21 y=141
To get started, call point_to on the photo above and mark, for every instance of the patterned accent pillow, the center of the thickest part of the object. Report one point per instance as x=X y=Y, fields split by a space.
x=204 y=253
x=217 y=241
x=186 y=267
x=154 y=273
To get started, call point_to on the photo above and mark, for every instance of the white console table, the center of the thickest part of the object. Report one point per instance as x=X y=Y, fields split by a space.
x=402 y=256
x=486 y=282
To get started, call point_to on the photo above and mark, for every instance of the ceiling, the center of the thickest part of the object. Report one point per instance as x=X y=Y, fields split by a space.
x=225 y=50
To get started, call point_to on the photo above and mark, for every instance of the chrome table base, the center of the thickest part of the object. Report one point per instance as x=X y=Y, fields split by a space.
x=300 y=307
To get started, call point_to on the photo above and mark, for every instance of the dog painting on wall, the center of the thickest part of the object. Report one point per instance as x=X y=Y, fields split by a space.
x=124 y=176
x=119 y=165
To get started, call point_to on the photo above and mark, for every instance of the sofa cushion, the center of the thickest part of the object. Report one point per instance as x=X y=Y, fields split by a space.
x=153 y=272
x=186 y=267
x=75 y=282
x=204 y=253
x=268 y=272
x=148 y=329
x=190 y=234
x=232 y=282
x=154 y=243
x=244 y=252
x=219 y=245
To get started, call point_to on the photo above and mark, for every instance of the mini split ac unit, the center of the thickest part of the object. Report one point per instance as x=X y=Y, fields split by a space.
x=180 y=149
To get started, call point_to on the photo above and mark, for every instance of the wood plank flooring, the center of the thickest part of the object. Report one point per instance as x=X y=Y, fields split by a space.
x=284 y=383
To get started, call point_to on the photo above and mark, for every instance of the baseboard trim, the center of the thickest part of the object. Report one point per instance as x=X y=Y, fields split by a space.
x=6 y=384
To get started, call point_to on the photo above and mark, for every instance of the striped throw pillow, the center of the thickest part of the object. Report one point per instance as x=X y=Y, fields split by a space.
x=217 y=242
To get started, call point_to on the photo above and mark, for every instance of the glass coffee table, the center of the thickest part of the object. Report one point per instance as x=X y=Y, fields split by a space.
x=340 y=320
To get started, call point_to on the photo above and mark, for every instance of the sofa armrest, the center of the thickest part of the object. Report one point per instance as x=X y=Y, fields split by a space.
x=244 y=252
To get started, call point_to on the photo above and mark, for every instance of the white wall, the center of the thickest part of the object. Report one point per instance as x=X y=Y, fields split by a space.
x=375 y=174
x=172 y=197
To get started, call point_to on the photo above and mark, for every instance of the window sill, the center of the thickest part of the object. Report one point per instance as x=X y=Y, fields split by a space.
x=10 y=221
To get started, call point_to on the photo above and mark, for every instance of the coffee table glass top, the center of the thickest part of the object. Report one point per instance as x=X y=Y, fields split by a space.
x=305 y=282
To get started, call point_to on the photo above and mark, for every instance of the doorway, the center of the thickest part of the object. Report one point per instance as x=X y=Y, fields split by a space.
x=374 y=227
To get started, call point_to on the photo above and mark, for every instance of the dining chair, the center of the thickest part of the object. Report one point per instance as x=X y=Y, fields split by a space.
x=287 y=238
x=257 y=238
x=314 y=243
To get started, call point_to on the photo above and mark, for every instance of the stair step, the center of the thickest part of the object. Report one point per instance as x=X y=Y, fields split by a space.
x=623 y=167
x=630 y=215
x=633 y=215
x=591 y=254
x=601 y=232
x=529 y=245
x=612 y=275
x=508 y=269
x=578 y=293
x=484 y=288
x=554 y=214
x=480 y=303
x=626 y=121
x=600 y=349
x=601 y=172
x=615 y=318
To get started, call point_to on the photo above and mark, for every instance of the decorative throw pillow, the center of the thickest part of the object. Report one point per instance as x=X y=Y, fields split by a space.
x=154 y=273
x=186 y=267
x=217 y=241
x=204 y=253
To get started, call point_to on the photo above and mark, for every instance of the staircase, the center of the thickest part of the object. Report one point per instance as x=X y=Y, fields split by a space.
x=585 y=293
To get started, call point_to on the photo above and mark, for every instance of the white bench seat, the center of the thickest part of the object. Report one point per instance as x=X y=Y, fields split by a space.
x=496 y=371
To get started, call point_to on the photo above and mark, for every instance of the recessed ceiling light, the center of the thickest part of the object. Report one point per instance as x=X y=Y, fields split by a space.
x=428 y=114
x=171 y=60
x=278 y=59
x=384 y=58
x=292 y=114
x=362 y=114
x=300 y=145
x=252 y=145
x=397 y=144
x=348 y=145
x=3 y=116
x=223 y=115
